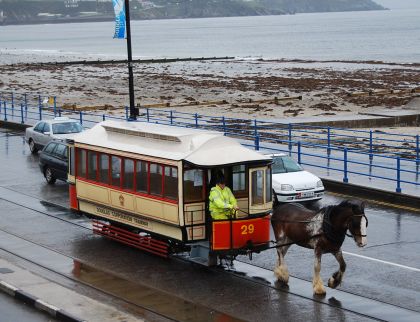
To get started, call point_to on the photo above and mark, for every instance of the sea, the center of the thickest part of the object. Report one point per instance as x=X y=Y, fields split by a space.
x=388 y=35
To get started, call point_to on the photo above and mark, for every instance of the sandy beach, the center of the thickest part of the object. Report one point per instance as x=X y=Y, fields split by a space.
x=233 y=88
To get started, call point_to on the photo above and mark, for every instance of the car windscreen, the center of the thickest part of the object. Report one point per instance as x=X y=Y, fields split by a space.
x=67 y=127
x=285 y=164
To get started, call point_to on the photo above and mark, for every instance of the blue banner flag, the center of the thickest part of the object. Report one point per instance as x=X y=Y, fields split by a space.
x=119 y=10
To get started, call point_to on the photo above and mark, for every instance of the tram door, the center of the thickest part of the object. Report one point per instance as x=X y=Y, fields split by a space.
x=260 y=192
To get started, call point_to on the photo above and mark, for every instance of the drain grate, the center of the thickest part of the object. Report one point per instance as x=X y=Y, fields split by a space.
x=4 y=270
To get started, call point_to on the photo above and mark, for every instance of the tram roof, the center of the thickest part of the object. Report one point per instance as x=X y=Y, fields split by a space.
x=199 y=147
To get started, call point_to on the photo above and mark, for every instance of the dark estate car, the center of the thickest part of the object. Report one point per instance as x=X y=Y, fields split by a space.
x=53 y=161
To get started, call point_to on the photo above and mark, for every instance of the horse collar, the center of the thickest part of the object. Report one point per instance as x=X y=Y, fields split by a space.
x=333 y=235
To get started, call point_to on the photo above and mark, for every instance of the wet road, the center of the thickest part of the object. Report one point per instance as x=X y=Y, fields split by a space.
x=392 y=238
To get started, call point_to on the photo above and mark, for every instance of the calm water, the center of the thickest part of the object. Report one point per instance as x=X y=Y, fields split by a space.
x=376 y=35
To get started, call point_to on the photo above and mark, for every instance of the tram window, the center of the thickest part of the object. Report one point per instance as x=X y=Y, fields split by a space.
x=92 y=165
x=268 y=185
x=128 y=182
x=155 y=179
x=171 y=183
x=141 y=176
x=104 y=168
x=116 y=171
x=238 y=179
x=257 y=187
x=193 y=185
x=81 y=163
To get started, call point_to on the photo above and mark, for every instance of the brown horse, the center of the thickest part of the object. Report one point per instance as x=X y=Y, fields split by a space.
x=323 y=230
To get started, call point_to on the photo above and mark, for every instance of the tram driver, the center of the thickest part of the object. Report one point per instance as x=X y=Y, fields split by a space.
x=222 y=202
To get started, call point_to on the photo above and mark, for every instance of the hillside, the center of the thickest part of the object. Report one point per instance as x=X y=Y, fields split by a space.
x=40 y=11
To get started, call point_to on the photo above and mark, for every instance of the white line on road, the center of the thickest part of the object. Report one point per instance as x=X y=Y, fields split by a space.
x=385 y=262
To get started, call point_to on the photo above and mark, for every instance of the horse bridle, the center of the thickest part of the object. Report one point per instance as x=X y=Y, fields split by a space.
x=349 y=222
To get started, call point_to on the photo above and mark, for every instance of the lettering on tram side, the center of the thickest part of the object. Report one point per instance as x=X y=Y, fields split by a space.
x=114 y=214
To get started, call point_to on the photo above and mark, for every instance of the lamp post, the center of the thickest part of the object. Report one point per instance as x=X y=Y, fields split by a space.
x=133 y=109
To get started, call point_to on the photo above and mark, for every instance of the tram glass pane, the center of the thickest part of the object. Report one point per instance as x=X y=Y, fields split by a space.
x=104 y=168
x=238 y=178
x=171 y=183
x=128 y=182
x=81 y=163
x=92 y=165
x=268 y=186
x=116 y=171
x=193 y=185
x=72 y=164
x=155 y=179
x=141 y=176
x=257 y=187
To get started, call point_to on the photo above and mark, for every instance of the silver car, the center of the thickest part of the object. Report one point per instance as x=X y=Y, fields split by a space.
x=44 y=131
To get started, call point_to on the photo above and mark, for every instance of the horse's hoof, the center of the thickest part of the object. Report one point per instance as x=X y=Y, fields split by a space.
x=281 y=285
x=333 y=283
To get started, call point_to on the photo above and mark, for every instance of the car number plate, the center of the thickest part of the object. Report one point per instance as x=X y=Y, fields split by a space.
x=307 y=194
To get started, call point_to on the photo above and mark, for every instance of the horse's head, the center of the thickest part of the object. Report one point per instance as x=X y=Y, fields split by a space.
x=358 y=222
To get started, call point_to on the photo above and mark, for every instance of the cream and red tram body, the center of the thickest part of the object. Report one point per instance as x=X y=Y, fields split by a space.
x=147 y=185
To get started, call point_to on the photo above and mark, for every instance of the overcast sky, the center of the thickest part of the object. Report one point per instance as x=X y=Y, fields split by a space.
x=399 y=4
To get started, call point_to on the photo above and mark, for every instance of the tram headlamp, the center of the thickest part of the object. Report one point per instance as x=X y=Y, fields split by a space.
x=319 y=184
x=286 y=187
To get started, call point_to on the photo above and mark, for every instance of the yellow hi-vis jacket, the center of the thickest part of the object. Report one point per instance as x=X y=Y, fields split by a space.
x=221 y=203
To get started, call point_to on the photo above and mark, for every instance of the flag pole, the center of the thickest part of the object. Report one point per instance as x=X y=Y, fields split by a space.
x=133 y=110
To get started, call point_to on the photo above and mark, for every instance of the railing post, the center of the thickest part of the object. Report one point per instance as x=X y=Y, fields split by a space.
x=5 y=111
x=21 y=114
x=370 y=145
x=39 y=101
x=257 y=142
x=290 y=136
x=126 y=113
x=13 y=105
x=329 y=140
x=224 y=125
x=417 y=150
x=196 y=120
x=103 y=117
x=147 y=114
x=26 y=104
x=398 y=175
x=171 y=117
x=345 y=179
x=59 y=111
x=40 y=112
x=55 y=106
x=255 y=127
x=81 y=117
x=299 y=153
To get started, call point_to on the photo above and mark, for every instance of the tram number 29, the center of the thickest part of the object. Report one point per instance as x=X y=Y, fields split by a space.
x=247 y=229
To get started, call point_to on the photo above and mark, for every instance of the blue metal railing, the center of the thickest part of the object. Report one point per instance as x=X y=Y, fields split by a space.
x=310 y=144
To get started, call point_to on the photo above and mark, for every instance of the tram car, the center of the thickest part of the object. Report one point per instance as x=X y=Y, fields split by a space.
x=147 y=185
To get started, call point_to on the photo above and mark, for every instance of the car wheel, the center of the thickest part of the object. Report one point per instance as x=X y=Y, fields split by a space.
x=32 y=146
x=49 y=176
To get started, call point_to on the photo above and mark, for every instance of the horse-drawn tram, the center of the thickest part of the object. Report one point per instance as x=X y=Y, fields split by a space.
x=148 y=186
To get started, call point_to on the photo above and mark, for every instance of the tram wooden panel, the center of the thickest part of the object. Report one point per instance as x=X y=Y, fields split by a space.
x=122 y=200
x=92 y=192
x=157 y=209
x=194 y=213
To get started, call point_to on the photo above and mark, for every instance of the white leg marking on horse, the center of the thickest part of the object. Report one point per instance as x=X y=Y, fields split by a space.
x=317 y=283
x=363 y=231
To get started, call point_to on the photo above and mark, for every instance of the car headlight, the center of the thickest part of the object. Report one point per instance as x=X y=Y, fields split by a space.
x=319 y=184
x=286 y=187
